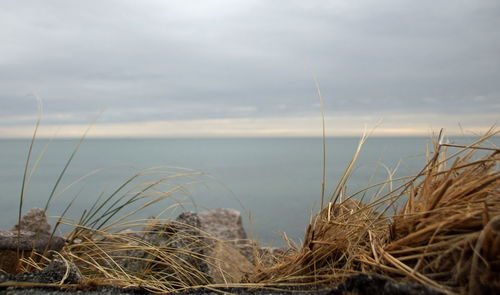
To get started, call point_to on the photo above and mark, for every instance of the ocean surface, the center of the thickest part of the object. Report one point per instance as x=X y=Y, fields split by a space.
x=276 y=183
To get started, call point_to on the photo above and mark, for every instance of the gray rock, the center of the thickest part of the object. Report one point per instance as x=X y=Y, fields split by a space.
x=187 y=245
x=14 y=245
x=32 y=234
x=223 y=223
x=29 y=241
x=187 y=242
x=34 y=221
x=61 y=271
x=181 y=246
x=226 y=225
x=189 y=219
x=57 y=271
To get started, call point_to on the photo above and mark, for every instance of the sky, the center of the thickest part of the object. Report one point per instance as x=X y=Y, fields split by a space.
x=247 y=68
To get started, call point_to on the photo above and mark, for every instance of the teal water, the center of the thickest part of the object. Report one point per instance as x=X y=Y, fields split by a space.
x=277 y=180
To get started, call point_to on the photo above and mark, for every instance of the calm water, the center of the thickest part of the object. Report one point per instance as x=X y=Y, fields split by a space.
x=277 y=180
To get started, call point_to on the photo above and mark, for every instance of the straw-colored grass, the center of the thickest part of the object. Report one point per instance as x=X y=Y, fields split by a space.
x=101 y=245
x=160 y=256
x=125 y=259
x=446 y=236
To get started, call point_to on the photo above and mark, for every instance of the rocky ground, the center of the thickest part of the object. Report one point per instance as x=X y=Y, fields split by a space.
x=361 y=284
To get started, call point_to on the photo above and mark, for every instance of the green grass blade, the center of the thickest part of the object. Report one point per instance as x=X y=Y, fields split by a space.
x=25 y=173
x=91 y=215
x=68 y=162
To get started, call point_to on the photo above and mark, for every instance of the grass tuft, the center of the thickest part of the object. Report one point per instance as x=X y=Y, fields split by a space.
x=446 y=236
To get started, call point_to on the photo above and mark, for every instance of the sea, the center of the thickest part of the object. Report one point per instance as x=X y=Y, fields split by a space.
x=275 y=182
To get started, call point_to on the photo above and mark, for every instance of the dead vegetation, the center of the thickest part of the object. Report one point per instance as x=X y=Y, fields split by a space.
x=446 y=236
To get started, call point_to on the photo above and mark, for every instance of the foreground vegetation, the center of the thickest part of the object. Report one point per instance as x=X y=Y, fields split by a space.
x=446 y=236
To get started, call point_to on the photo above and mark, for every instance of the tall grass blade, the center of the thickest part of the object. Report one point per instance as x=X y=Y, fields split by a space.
x=68 y=162
x=25 y=173
x=322 y=106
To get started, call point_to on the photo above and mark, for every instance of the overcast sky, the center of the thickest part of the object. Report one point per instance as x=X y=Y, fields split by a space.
x=245 y=68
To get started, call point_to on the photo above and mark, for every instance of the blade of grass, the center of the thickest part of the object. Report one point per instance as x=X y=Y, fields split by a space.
x=322 y=105
x=113 y=211
x=91 y=215
x=25 y=174
x=348 y=171
x=68 y=162
x=37 y=162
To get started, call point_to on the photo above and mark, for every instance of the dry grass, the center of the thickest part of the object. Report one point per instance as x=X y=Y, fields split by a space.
x=447 y=235
x=101 y=245
x=130 y=260
x=160 y=256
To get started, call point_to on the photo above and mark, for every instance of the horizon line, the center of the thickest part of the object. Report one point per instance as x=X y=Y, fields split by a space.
x=290 y=127
x=70 y=137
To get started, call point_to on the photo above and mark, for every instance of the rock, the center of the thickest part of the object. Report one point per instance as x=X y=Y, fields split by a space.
x=227 y=265
x=28 y=241
x=34 y=221
x=190 y=219
x=223 y=223
x=172 y=249
x=58 y=271
x=203 y=243
x=364 y=284
x=31 y=234
x=231 y=254
x=183 y=235
x=265 y=256
x=247 y=248
x=226 y=226
x=130 y=257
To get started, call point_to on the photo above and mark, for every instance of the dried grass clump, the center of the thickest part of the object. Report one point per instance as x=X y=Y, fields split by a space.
x=447 y=235
x=334 y=242
x=130 y=259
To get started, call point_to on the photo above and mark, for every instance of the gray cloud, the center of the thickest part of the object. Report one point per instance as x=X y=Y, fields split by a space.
x=158 y=60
